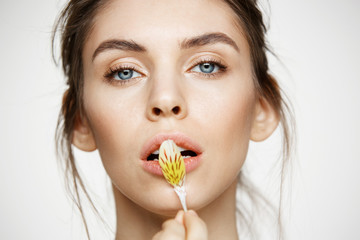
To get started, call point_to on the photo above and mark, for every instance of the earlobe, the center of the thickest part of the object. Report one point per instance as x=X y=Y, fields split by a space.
x=83 y=137
x=265 y=121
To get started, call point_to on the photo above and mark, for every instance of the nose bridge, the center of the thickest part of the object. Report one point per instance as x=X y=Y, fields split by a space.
x=166 y=98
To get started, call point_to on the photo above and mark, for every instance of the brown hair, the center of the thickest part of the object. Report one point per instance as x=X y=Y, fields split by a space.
x=74 y=24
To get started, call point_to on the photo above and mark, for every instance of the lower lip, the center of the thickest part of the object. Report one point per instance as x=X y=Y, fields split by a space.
x=154 y=167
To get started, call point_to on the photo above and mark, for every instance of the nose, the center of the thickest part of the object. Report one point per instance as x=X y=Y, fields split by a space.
x=166 y=100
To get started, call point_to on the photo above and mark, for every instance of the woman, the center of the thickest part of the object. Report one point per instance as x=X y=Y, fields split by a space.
x=143 y=71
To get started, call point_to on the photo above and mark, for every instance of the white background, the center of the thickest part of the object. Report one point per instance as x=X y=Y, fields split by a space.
x=318 y=43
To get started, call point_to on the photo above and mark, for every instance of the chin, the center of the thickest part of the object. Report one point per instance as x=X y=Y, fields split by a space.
x=167 y=203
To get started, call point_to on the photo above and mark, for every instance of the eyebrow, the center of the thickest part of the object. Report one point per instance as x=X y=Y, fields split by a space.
x=207 y=39
x=198 y=41
x=124 y=45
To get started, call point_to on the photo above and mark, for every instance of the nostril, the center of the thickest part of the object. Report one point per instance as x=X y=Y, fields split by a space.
x=156 y=111
x=176 y=110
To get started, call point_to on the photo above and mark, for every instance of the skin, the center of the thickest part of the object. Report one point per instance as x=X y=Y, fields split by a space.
x=219 y=111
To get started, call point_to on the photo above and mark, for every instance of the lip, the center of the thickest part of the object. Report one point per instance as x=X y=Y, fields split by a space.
x=181 y=140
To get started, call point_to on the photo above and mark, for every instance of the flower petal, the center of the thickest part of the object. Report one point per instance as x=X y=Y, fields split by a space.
x=172 y=163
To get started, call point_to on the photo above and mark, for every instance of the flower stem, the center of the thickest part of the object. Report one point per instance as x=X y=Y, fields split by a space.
x=180 y=191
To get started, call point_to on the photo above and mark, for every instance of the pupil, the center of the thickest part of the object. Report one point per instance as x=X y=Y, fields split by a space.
x=125 y=74
x=207 y=67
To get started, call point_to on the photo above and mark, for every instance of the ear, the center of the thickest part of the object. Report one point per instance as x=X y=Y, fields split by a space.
x=83 y=137
x=265 y=121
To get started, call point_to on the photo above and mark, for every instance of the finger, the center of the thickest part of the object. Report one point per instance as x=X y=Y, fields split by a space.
x=180 y=217
x=195 y=227
x=157 y=236
x=174 y=227
x=171 y=230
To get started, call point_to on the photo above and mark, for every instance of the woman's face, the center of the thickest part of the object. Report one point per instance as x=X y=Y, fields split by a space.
x=157 y=69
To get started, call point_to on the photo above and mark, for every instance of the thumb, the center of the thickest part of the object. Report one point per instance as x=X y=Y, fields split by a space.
x=195 y=227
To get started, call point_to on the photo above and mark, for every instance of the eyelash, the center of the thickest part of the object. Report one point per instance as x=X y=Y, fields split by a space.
x=109 y=75
x=222 y=67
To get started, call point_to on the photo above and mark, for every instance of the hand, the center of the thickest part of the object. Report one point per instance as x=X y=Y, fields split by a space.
x=184 y=226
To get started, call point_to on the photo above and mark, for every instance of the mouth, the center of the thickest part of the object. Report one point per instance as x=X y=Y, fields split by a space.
x=185 y=153
x=189 y=149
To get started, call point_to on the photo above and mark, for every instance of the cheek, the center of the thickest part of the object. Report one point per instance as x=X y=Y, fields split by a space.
x=226 y=122
x=113 y=124
x=228 y=114
x=234 y=124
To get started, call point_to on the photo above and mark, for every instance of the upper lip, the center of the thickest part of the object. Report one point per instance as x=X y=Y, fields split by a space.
x=180 y=139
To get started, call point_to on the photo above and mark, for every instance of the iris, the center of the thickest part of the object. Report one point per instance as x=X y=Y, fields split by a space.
x=207 y=67
x=125 y=74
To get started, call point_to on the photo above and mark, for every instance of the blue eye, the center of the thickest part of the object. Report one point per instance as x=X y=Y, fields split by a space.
x=206 y=67
x=126 y=74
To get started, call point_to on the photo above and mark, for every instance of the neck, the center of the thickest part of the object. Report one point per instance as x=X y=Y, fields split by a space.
x=134 y=222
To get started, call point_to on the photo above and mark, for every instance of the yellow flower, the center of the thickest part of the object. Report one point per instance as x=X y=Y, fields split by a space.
x=172 y=163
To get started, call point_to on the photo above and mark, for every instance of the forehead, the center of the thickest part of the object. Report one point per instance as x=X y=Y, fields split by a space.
x=153 y=21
